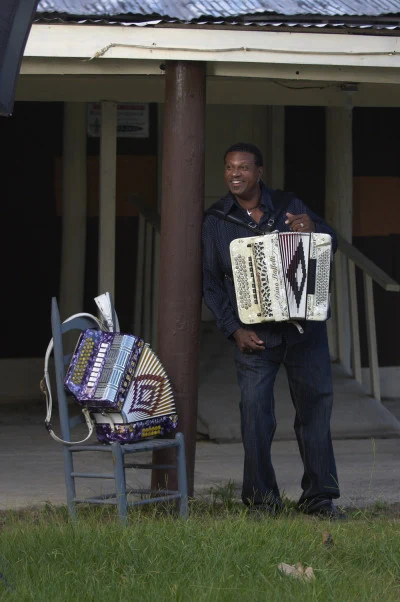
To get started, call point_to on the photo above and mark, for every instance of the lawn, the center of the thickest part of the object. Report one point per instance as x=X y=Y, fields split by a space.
x=220 y=554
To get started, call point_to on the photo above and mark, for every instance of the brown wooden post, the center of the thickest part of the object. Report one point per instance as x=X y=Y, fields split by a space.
x=180 y=248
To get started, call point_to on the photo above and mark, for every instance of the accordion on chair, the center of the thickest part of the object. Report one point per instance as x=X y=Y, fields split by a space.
x=282 y=276
x=123 y=384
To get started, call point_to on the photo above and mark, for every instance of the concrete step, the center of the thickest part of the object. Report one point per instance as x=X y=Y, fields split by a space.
x=355 y=415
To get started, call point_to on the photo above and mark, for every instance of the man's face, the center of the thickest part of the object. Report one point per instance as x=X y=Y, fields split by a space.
x=242 y=174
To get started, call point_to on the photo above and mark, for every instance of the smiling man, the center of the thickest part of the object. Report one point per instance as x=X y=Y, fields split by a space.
x=259 y=351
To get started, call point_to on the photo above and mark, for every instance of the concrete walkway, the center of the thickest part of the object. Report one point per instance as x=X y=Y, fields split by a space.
x=31 y=467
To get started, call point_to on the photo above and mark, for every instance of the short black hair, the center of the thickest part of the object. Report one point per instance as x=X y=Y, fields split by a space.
x=246 y=147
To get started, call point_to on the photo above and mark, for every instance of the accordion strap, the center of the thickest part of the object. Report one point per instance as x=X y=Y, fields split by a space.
x=280 y=200
x=45 y=388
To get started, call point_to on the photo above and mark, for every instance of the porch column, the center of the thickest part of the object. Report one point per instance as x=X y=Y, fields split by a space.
x=339 y=213
x=107 y=204
x=180 y=245
x=274 y=175
x=74 y=209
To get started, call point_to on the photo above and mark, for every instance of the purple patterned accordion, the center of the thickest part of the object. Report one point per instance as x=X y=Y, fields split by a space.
x=123 y=384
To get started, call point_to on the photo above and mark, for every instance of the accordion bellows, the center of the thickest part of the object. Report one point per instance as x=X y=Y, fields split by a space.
x=124 y=385
x=282 y=276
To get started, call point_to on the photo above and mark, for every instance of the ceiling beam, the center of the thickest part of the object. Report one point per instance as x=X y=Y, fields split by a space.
x=220 y=90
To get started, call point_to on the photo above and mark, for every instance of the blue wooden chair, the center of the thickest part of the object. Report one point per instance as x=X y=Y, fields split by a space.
x=118 y=452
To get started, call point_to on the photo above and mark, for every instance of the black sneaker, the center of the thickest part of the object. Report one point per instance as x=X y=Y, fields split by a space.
x=323 y=508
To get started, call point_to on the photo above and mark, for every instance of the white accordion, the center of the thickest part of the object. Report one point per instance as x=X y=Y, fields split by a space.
x=282 y=276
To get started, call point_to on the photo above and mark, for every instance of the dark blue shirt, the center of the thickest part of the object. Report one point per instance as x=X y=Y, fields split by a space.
x=218 y=289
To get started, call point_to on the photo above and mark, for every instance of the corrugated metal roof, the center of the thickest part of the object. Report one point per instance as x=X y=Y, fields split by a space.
x=189 y=10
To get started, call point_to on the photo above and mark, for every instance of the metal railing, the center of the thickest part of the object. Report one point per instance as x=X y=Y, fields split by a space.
x=347 y=259
x=147 y=264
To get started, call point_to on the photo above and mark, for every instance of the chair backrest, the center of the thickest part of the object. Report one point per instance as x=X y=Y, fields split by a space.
x=58 y=329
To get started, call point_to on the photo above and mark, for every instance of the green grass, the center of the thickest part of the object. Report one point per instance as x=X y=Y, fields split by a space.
x=220 y=554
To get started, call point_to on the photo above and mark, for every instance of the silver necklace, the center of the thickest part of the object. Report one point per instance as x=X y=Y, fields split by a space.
x=250 y=211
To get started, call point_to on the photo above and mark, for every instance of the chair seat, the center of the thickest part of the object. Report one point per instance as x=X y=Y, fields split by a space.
x=131 y=448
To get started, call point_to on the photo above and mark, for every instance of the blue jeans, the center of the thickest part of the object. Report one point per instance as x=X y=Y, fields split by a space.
x=308 y=368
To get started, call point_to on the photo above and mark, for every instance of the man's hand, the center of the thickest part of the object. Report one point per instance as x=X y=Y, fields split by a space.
x=248 y=341
x=300 y=223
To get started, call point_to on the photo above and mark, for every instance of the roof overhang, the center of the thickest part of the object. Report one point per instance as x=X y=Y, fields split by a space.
x=102 y=43
x=87 y=62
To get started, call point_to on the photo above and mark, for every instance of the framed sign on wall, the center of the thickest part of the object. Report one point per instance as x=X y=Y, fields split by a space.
x=132 y=120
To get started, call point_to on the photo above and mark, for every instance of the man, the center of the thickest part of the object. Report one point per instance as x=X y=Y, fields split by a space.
x=260 y=350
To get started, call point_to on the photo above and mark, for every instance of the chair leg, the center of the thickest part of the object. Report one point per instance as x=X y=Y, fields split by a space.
x=182 y=476
x=69 y=481
x=120 y=484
